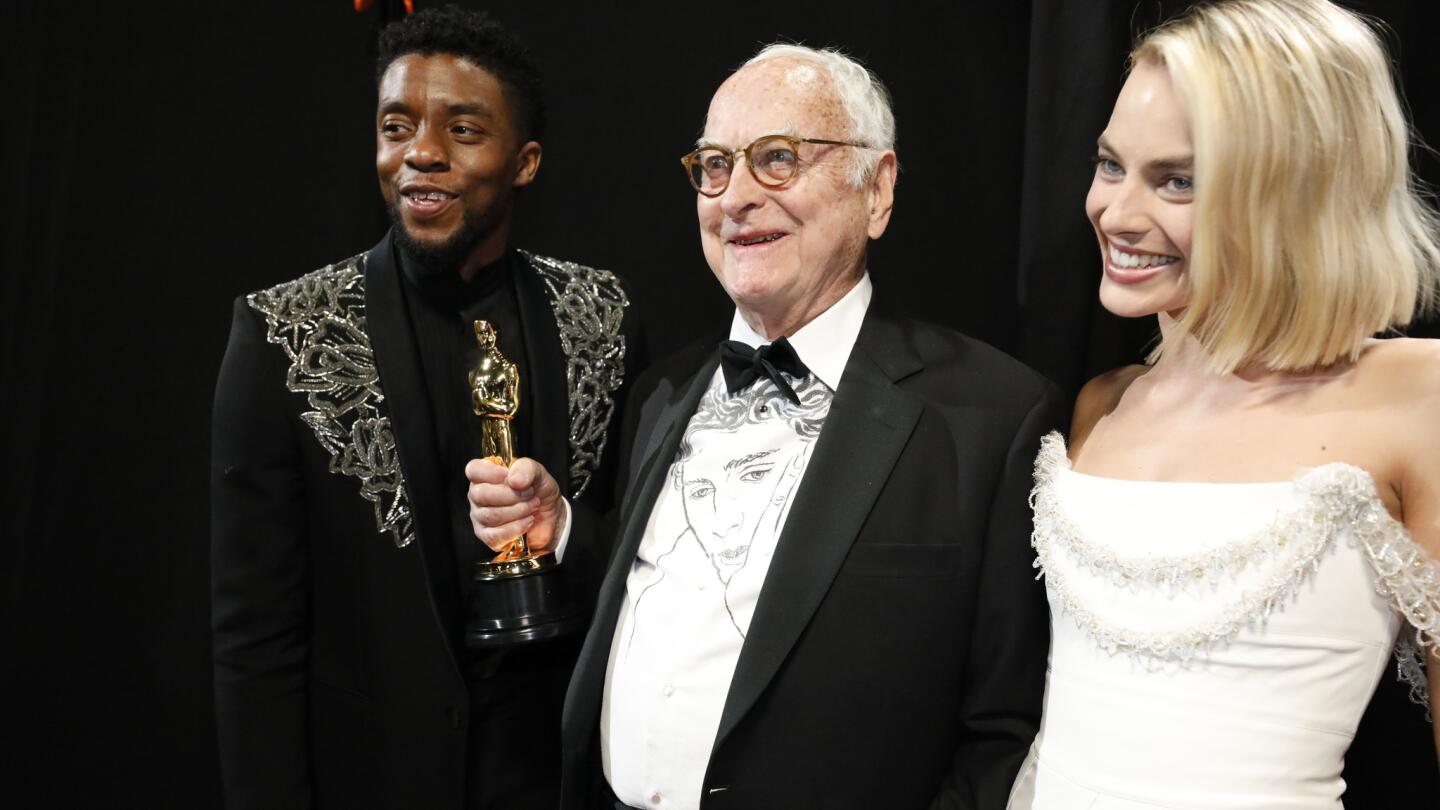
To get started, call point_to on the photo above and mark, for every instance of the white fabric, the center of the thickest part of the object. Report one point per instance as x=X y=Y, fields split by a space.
x=564 y=541
x=1258 y=719
x=824 y=344
x=702 y=562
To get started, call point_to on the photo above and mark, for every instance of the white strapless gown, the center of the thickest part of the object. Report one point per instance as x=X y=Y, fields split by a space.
x=1214 y=645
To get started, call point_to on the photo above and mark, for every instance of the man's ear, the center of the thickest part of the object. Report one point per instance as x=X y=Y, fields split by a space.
x=882 y=193
x=528 y=165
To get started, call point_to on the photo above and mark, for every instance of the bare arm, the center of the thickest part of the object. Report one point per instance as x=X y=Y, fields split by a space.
x=1416 y=436
x=1421 y=500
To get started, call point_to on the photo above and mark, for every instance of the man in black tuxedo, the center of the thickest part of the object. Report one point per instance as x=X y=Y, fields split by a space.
x=822 y=593
x=342 y=542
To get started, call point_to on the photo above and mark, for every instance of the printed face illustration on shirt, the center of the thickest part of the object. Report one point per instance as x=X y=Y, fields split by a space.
x=719 y=519
x=727 y=499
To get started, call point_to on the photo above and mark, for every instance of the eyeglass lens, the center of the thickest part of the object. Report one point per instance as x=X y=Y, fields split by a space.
x=772 y=160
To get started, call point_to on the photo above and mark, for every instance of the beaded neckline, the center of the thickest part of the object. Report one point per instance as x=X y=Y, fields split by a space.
x=1175 y=571
x=1334 y=500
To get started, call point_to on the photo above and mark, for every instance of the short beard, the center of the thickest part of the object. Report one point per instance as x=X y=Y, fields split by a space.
x=436 y=259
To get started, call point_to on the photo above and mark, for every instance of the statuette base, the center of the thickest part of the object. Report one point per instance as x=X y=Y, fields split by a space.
x=509 y=568
x=521 y=601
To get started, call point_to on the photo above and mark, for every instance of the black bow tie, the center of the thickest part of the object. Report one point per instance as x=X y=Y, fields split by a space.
x=743 y=365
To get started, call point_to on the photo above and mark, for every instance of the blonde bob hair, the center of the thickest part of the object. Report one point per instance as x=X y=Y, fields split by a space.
x=1310 y=233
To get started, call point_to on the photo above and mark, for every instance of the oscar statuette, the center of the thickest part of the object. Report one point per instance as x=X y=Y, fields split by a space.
x=520 y=594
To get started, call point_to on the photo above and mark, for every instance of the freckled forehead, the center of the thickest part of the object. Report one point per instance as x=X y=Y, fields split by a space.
x=777 y=95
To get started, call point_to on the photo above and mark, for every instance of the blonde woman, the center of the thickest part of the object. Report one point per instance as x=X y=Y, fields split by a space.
x=1238 y=540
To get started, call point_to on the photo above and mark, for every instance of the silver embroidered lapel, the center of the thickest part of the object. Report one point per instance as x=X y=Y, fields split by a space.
x=589 y=306
x=319 y=322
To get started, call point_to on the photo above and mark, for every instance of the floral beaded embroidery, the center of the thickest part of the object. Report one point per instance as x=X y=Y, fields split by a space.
x=589 y=306
x=319 y=322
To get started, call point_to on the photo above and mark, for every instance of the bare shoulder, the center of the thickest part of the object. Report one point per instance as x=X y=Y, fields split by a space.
x=1098 y=398
x=1403 y=373
x=1400 y=381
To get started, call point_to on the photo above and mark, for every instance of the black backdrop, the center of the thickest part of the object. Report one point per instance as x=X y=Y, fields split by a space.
x=161 y=158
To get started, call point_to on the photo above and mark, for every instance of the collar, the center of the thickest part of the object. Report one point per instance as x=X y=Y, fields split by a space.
x=824 y=343
x=443 y=286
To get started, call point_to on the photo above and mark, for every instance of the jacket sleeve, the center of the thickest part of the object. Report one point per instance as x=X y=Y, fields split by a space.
x=1005 y=668
x=260 y=577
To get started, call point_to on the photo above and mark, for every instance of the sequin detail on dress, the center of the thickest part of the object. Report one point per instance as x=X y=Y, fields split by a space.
x=319 y=322
x=1335 y=498
x=589 y=306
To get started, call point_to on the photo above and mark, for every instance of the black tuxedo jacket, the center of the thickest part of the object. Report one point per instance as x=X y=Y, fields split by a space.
x=897 y=653
x=337 y=611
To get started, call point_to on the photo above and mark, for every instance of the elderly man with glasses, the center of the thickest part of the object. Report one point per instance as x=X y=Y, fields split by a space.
x=821 y=594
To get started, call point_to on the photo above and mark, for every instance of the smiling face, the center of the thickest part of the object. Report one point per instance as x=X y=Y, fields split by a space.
x=785 y=255
x=1141 y=198
x=449 y=159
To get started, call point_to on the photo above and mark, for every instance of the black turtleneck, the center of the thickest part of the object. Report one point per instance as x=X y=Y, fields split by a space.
x=443 y=310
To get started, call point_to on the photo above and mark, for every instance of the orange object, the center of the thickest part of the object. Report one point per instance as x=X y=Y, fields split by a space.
x=361 y=5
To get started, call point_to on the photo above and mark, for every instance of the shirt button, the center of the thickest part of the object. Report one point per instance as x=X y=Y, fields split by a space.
x=668 y=691
x=655 y=797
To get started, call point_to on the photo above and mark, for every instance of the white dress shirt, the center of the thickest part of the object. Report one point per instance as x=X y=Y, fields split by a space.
x=700 y=566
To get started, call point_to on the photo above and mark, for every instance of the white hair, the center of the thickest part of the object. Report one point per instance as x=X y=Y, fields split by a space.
x=865 y=100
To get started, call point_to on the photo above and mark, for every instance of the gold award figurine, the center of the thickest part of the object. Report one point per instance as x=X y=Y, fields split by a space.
x=495 y=397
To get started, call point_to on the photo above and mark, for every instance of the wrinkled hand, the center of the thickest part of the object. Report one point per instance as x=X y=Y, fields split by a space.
x=505 y=503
